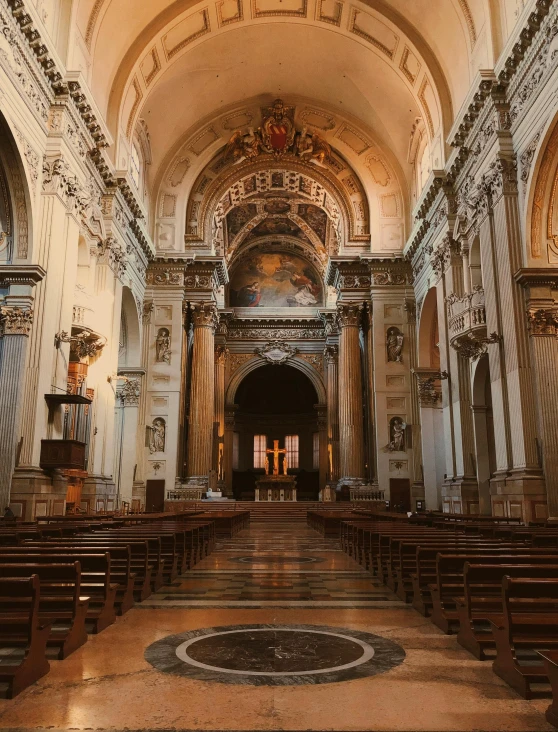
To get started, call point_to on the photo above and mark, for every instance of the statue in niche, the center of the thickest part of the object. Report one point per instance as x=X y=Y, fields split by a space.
x=162 y=346
x=397 y=435
x=394 y=345
x=158 y=434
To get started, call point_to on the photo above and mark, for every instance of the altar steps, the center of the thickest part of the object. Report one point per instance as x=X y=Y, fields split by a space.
x=267 y=512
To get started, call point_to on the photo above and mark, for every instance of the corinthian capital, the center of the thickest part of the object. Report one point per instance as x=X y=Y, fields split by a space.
x=16 y=321
x=349 y=314
x=204 y=314
x=331 y=353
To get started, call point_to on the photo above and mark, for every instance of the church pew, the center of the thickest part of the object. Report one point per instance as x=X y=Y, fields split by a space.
x=449 y=582
x=95 y=580
x=120 y=566
x=406 y=562
x=550 y=661
x=529 y=623
x=22 y=630
x=482 y=598
x=61 y=604
x=168 y=544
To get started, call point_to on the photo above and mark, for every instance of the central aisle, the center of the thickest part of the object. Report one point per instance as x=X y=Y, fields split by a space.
x=276 y=630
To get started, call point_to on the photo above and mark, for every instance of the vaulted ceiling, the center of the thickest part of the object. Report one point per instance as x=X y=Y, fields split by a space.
x=373 y=68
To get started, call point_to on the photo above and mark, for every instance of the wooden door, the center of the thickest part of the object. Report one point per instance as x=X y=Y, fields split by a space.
x=154 y=496
x=400 y=494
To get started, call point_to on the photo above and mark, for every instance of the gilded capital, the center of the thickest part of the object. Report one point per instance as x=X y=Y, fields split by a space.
x=349 y=314
x=204 y=314
x=16 y=321
x=221 y=355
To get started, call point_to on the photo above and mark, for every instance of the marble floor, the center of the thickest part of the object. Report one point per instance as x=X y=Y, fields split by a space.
x=276 y=630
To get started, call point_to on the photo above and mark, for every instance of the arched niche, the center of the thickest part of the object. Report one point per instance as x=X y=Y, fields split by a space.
x=428 y=350
x=542 y=201
x=130 y=334
x=257 y=362
x=485 y=448
x=16 y=234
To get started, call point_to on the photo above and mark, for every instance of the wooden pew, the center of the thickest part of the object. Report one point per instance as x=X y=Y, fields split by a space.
x=449 y=580
x=95 y=580
x=482 y=599
x=61 y=604
x=529 y=623
x=120 y=566
x=21 y=628
x=550 y=660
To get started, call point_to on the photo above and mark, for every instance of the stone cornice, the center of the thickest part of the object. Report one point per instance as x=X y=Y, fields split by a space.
x=21 y=274
x=537 y=276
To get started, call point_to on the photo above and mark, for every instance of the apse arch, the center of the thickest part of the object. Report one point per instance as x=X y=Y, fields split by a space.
x=257 y=362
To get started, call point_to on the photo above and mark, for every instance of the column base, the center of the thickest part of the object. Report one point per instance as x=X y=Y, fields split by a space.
x=35 y=493
x=98 y=494
x=519 y=494
x=460 y=495
x=138 y=493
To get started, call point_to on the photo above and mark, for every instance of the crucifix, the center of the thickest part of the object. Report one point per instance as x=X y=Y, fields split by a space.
x=276 y=452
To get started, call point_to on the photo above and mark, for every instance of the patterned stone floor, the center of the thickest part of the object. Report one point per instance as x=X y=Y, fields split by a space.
x=276 y=630
x=270 y=565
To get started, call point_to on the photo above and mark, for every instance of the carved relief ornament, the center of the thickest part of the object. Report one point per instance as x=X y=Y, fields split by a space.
x=331 y=354
x=349 y=314
x=428 y=392
x=472 y=347
x=221 y=355
x=543 y=322
x=204 y=314
x=15 y=321
x=130 y=393
x=276 y=352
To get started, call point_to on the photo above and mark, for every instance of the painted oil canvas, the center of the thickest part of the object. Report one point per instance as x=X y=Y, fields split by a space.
x=275 y=280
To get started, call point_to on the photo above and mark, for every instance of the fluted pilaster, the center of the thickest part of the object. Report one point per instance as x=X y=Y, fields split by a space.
x=351 y=429
x=202 y=396
x=16 y=325
x=221 y=355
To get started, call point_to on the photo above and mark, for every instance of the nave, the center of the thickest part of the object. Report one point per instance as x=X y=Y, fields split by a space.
x=287 y=617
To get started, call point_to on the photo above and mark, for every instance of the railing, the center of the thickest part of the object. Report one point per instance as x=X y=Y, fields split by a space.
x=366 y=494
x=184 y=494
x=467 y=314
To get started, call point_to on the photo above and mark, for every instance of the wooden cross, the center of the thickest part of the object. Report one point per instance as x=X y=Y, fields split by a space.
x=276 y=452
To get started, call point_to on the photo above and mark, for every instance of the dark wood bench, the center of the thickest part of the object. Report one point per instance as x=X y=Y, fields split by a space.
x=23 y=635
x=482 y=599
x=550 y=660
x=61 y=603
x=96 y=581
x=529 y=623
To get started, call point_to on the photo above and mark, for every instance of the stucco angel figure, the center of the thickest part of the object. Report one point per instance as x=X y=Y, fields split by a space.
x=312 y=147
x=242 y=145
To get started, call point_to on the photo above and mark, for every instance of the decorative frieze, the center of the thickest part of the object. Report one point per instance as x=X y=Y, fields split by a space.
x=165 y=277
x=15 y=321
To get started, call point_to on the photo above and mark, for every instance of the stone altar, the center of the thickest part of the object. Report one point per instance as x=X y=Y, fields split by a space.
x=276 y=488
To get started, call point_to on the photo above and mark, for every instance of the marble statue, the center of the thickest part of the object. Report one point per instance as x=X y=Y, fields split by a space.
x=394 y=344
x=162 y=346
x=158 y=435
x=397 y=434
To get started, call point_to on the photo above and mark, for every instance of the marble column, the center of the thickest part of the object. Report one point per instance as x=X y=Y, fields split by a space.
x=221 y=355
x=15 y=324
x=331 y=354
x=351 y=428
x=202 y=395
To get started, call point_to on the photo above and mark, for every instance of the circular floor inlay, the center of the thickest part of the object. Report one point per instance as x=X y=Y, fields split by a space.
x=274 y=654
x=270 y=559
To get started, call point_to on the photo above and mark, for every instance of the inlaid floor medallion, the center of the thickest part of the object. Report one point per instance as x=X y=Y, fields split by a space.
x=275 y=654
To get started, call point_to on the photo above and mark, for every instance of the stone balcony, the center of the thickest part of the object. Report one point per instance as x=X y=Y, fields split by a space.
x=467 y=316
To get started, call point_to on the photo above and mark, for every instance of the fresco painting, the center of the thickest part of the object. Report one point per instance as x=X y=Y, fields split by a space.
x=275 y=280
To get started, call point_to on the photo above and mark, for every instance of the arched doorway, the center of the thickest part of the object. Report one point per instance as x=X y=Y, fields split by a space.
x=276 y=403
x=484 y=432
